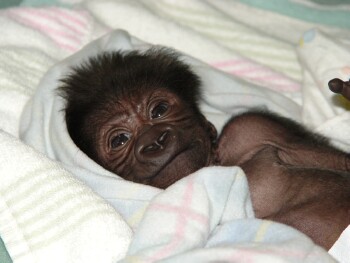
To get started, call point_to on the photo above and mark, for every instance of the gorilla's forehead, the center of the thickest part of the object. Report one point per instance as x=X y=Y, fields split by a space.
x=136 y=106
x=140 y=97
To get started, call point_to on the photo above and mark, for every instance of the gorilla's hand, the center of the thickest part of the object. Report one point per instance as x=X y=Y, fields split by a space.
x=341 y=87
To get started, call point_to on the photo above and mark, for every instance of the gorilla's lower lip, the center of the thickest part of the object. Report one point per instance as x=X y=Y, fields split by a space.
x=164 y=181
x=159 y=177
x=171 y=160
x=151 y=177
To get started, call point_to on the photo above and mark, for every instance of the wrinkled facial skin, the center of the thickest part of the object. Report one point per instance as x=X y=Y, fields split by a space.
x=153 y=138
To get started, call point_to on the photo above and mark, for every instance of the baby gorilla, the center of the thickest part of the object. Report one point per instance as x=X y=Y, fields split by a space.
x=137 y=115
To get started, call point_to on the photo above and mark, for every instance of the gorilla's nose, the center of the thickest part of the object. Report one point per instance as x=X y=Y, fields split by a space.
x=156 y=144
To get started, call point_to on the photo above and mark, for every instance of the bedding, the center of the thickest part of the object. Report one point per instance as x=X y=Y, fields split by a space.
x=53 y=196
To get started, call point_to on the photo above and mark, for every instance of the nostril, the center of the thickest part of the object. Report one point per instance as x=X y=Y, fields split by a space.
x=163 y=137
x=155 y=142
x=151 y=148
x=158 y=144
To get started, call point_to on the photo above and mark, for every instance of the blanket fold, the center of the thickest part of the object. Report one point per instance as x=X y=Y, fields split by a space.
x=203 y=219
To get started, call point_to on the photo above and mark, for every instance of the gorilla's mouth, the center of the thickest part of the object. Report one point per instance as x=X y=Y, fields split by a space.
x=174 y=160
x=178 y=166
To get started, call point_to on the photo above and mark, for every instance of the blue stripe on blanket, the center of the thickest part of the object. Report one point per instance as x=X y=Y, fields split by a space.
x=9 y=3
x=39 y=3
x=4 y=255
x=310 y=13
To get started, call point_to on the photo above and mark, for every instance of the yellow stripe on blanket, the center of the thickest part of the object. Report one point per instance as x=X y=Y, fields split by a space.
x=260 y=234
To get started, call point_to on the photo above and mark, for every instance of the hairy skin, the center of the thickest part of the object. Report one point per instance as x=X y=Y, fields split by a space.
x=342 y=87
x=294 y=177
x=137 y=115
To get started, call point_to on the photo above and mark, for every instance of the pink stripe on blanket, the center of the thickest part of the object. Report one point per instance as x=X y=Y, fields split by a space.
x=184 y=214
x=257 y=74
x=188 y=213
x=66 y=28
x=62 y=18
x=72 y=17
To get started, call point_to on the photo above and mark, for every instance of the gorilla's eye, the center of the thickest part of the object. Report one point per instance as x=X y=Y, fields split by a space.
x=159 y=110
x=120 y=140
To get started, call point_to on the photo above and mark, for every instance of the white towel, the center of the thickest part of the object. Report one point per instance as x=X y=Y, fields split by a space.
x=49 y=216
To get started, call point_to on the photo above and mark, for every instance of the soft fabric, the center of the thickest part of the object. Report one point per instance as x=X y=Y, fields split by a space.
x=4 y=255
x=266 y=66
x=214 y=198
x=340 y=250
x=49 y=216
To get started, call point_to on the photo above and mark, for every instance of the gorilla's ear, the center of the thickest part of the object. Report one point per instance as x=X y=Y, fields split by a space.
x=213 y=131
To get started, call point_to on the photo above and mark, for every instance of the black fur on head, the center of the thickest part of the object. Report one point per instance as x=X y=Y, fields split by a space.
x=111 y=75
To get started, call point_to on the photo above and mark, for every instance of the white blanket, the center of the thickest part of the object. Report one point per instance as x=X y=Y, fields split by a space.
x=48 y=216
x=218 y=222
x=190 y=214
